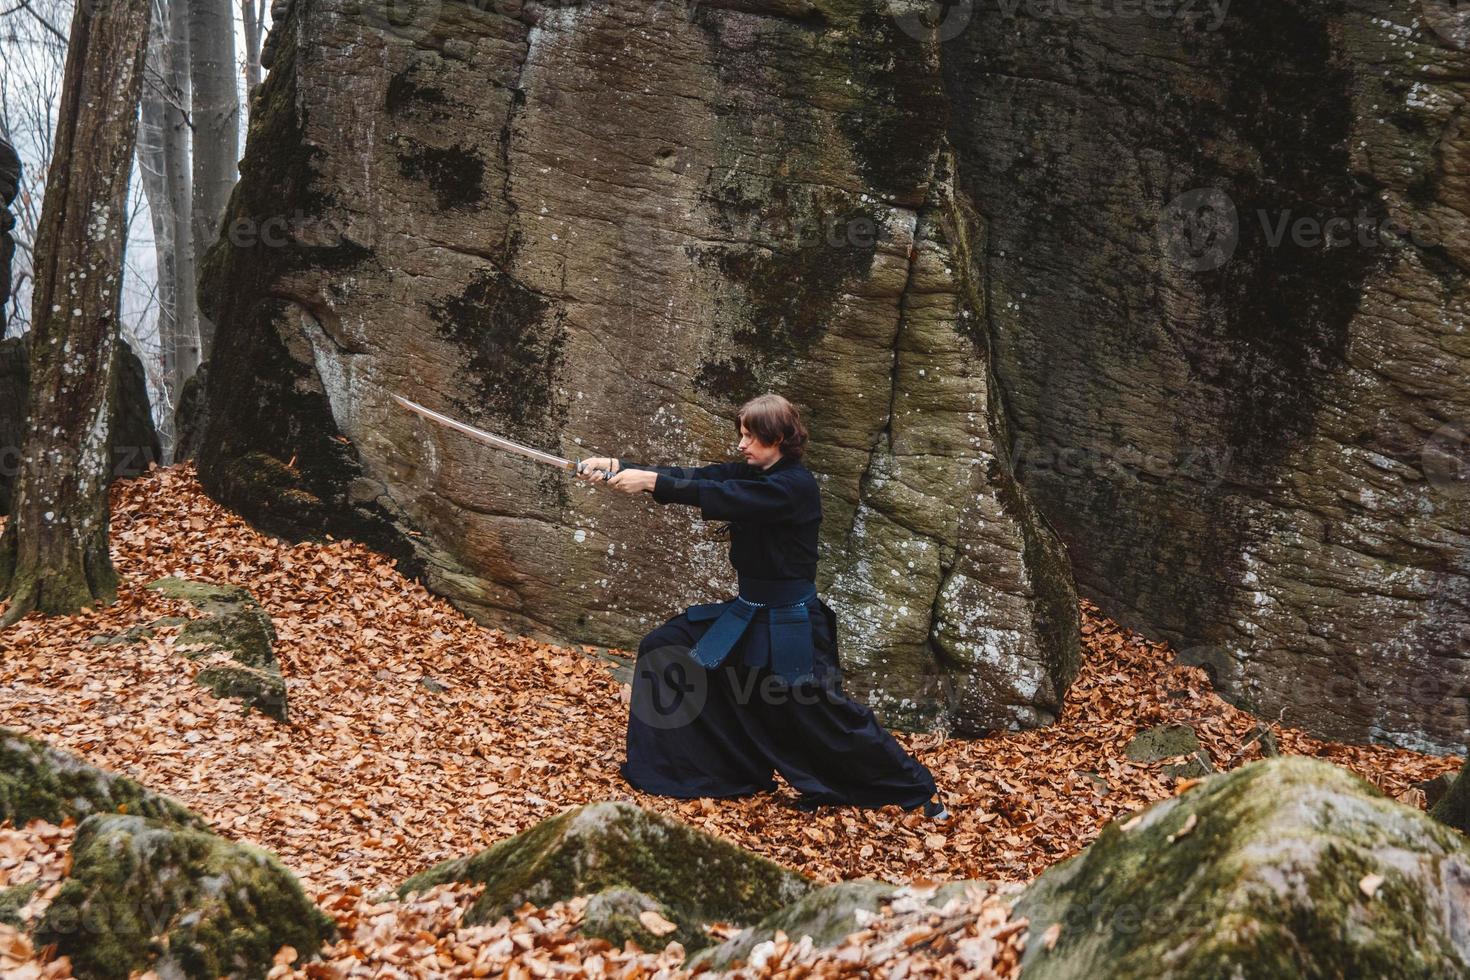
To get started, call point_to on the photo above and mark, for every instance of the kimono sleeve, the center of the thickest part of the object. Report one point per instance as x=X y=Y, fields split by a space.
x=714 y=471
x=735 y=499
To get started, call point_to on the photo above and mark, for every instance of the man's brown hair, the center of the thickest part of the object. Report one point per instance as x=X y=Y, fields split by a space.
x=773 y=419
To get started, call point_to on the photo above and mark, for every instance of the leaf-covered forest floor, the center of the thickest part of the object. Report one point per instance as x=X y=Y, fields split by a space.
x=377 y=776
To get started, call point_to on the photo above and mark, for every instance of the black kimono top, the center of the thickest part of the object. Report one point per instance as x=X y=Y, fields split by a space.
x=774 y=513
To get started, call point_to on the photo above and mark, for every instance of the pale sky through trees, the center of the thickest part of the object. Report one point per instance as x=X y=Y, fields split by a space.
x=32 y=58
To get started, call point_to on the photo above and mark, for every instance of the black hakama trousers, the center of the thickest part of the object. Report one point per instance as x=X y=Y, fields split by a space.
x=696 y=732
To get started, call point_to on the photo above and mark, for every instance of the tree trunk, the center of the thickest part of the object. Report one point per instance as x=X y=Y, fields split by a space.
x=1454 y=807
x=216 y=119
x=252 y=13
x=179 y=179
x=9 y=188
x=152 y=122
x=53 y=554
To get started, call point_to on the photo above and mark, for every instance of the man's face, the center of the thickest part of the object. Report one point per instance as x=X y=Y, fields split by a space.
x=757 y=453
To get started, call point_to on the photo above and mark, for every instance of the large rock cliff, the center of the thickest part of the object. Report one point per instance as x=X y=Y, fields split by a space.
x=1227 y=268
x=975 y=252
x=597 y=230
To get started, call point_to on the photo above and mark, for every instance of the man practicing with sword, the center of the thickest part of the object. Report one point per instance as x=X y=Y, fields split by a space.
x=727 y=692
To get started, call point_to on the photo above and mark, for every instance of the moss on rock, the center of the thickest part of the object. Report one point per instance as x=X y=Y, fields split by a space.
x=614 y=914
x=699 y=877
x=13 y=899
x=263 y=690
x=1261 y=872
x=1453 y=808
x=235 y=623
x=38 y=782
x=146 y=895
x=1167 y=741
x=826 y=915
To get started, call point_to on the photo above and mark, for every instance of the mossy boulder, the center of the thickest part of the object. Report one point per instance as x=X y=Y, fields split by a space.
x=827 y=915
x=139 y=633
x=616 y=914
x=1453 y=808
x=1166 y=742
x=144 y=895
x=15 y=898
x=698 y=877
x=38 y=782
x=235 y=624
x=233 y=620
x=1287 y=867
x=263 y=690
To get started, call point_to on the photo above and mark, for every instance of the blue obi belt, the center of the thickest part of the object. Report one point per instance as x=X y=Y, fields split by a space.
x=785 y=645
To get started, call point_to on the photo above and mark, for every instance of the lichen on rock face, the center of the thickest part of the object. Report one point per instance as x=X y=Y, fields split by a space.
x=40 y=782
x=146 y=895
x=1287 y=867
x=698 y=877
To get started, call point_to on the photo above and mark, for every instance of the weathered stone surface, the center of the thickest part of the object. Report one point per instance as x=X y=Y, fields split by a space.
x=139 y=633
x=1262 y=872
x=132 y=439
x=144 y=895
x=598 y=228
x=962 y=250
x=698 y=878
x=827 y=915
x=1167 y=741
x=235 y=624
x=38 y=782
x=191 y=415
x=1261 y=459
x=1453 y=808
x=614 y=914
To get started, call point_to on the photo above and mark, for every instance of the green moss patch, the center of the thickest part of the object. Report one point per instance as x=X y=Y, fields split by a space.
x=236 y=624
x=614 y=914
x=146 y=895
x=1453 y=808
x=698 y=877
x=1262 y=872
x=38 y=782
x=13 y=899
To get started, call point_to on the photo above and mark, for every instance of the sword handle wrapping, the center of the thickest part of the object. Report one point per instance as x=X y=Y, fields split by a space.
x=606 y=474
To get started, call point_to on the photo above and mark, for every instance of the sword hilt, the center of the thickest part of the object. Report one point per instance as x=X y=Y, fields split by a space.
x=606 y=474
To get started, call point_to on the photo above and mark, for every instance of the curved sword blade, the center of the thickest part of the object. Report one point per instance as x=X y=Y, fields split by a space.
x=482 y=436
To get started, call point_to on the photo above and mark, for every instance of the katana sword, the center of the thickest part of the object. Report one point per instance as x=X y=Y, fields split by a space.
x=500 y=442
